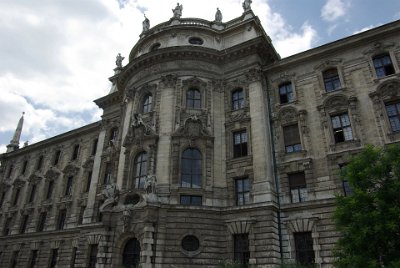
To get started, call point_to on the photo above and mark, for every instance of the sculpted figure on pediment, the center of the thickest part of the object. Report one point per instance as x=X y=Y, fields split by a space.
x=391 y=89
x=338 y=101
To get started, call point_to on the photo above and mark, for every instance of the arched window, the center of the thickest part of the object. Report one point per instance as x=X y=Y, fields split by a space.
x=191 y=168
x=140 y=166
x=193 y=98
x=131 y=254
x=147 y=103
x=237 y=99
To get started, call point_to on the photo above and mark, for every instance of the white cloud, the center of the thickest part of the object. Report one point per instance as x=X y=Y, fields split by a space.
x=57 y=55
x=334 y=9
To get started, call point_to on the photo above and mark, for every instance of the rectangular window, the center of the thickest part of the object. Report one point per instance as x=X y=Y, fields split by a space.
x=237 y=99
x=240 y=143
x=393 y=112
x=94 y=146
x=88 y=181
x=291 y=138
x=56 y=158
x=75 y=153
x=53 y=258
x=93 y=256
x=191 y=200
x=286 y=93
x=10 y=170
x=7 y=225
x=241 y=249
x=107 y=174
x=242 y=188
x=33 y=258
x=39 y=163
x=304 y=248
x=68 y=187
x=62 y=215
x=16 y=196
x=41 y=221
x=50 y=188
x=383 y=65
x=331 y=80
x=24 y=166
x=298 y=188
x=24 y=224
x=32 y=194
x=14 y=259
x=342 y=128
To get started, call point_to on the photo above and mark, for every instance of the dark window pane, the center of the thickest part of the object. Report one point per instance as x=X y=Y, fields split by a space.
x=53 y=258
x=93 y=256
x=240 y=143
x=191 y=168
x=383 y=65
x=237 y=99
x=193 y=99
x=286 y=93
x=241 y=249
x=331 y=80
x=342 y=130
x=304 y=248
x=131 y=254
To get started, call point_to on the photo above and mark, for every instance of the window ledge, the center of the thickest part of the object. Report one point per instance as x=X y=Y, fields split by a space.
x=345 y=145
x=384 y=78
x=394 y=135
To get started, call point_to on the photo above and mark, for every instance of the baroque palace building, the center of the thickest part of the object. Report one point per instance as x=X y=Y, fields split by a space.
x=210 y=148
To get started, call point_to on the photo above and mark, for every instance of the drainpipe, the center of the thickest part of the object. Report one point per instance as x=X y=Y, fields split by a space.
x=276 y=178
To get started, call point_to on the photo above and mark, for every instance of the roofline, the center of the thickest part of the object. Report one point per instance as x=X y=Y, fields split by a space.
x=340 y=44
x=70 y=135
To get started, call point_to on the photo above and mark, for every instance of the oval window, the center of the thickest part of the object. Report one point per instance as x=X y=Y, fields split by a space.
x=155 y=46
x=190 y=243
x=195 y=41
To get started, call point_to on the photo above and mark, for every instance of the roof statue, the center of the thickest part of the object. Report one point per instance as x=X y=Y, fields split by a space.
x=119 y=60
x=146 y=24
x=247 y=5
x=177 y=11
x=218 y=15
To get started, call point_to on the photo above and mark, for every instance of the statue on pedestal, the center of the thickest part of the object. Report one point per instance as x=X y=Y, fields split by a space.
x=146 y=24
x=218 y=16
x=177 y=11
x=118 y=60
x=247 y=5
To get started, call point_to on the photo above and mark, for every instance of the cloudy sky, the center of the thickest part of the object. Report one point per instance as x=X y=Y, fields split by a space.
x=56 y=55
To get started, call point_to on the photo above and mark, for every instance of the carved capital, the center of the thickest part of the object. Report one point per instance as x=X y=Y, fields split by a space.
x=254 y=75
x=169 y=80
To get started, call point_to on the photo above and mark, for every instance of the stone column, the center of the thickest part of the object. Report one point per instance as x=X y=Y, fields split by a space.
x=260 y=139
x=166 y=127
x=125 y=125
x=88 y=213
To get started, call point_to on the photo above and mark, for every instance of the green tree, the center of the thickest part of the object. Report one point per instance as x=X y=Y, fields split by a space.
x=369 y=219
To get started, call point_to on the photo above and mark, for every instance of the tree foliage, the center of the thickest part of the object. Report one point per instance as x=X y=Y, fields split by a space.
x=369 y=219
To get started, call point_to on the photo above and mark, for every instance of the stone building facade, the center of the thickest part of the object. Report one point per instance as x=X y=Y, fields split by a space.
x=210 y=148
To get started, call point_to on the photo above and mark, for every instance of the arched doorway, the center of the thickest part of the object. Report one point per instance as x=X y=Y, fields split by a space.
x=131 y=254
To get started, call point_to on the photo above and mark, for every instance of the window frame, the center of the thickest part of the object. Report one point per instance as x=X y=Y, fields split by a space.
x=385 y=72
x=238 y=99
x=292 y=144
x=147 y=103
x=140 y=170
x=331 y=79
x=240 y=149
x=195 y=101
x=24 y=223
x=241 y=249
x=188 y=174
x=75 y=152
x=308 y=250
x=396 y=104
x=297 y=190
x=92 y=257
x=191 y=199
x=41 y=221
x=339 y=138
x=69 y=186
x=242 y=197
x=61 y=219
x=288 y=95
